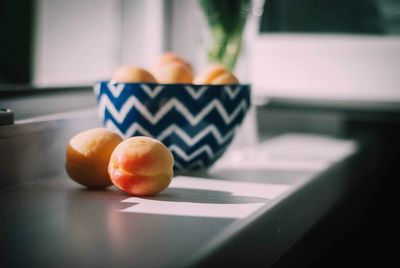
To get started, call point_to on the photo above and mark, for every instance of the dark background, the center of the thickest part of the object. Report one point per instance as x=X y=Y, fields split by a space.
x=17 y=32
x=339 y=16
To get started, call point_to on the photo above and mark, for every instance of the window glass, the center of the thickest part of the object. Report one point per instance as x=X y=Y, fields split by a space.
x=339 y=16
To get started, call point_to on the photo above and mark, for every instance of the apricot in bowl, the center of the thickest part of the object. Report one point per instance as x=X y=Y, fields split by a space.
x=132 y=74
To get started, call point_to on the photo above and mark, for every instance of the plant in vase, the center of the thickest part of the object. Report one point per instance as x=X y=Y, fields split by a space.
x=226 y=20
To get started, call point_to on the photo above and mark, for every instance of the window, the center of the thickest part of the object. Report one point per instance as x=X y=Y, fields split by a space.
x=74 y=42
x=343 y=50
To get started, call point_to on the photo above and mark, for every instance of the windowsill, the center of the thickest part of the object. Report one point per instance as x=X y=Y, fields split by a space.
x=275 y=185
x=33 y=151
x=27 y=102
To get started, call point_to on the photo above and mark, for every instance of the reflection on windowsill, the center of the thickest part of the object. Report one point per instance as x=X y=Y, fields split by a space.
x=199 y=197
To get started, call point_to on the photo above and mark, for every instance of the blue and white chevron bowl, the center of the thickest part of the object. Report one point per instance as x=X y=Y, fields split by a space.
x=196 y=122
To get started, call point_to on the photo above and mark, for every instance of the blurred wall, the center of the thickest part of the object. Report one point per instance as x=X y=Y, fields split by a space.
x=343 y=67
x=81 y=41
x=75 y=41
x=187 y=31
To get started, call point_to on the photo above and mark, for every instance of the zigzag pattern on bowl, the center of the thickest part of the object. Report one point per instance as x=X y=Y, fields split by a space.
x=197 y=124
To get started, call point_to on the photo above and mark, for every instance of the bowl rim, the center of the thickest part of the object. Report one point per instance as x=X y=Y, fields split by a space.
x=170 y=84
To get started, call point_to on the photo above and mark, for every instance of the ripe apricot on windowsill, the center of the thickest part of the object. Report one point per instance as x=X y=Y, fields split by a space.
x=141 y=166
x=88 y=155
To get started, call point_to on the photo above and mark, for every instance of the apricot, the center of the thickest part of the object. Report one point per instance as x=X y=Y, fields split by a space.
x=88 y=155
x=173 y=73
x=132 y=74
x=170 y=57
x=172 y=69
x=141 y=166
x=216 y=75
